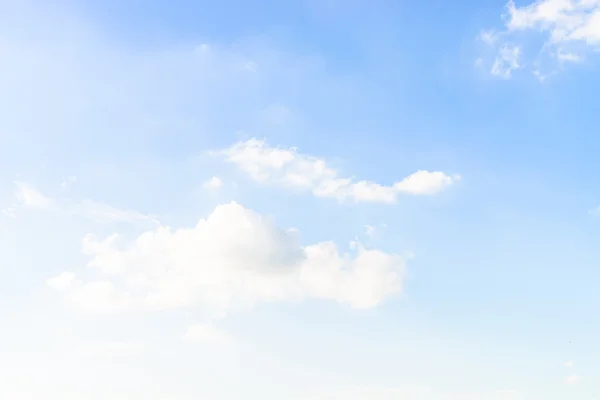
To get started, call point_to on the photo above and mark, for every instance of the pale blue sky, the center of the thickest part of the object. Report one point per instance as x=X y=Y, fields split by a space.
x=475 y=280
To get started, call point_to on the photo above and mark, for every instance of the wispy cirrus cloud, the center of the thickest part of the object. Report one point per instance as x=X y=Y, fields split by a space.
x=28 y=197
x=543 y=37
x=68 y=181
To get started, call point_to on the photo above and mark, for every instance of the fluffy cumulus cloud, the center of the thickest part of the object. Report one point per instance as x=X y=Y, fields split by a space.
x=569 y=32
x=291 y=169
x=234 y=258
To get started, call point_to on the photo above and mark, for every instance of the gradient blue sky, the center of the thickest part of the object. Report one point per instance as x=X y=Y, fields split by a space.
x=477 y=283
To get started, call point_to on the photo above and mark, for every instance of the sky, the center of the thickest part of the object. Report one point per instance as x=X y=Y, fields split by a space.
x=308 y=200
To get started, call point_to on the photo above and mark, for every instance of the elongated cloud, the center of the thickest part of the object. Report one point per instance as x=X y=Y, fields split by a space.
x=290 y=169
x=28 y=197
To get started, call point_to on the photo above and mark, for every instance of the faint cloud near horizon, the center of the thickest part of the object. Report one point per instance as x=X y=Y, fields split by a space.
x=573 y=380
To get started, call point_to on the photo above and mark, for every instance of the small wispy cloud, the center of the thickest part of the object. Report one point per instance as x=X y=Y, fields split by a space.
x=573 y=380
x=290 y=169
x=10 y=212
x=68 y=181
x=488 y=37
x=369 y=230
x=28 y=197
x=506 y=62
x=594 y=212
x=101 y=212
x=213 y=183
x=568 y=28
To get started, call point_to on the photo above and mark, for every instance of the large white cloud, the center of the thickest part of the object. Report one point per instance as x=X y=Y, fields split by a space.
x=234 y=258
x=290 y=169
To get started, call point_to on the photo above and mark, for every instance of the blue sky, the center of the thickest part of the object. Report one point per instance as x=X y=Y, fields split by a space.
x=311 y=200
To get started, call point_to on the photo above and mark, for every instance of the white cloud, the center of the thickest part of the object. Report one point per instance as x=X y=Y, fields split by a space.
x=506 y=62
x=573 y=380
x=235 y=258
x=570 y=29
x=26 y=196
x=488 y=37
x=563 y=20
x=207 y=334
x=370 y=230
x=569 y=364
x=595 y=211
x=29 y=197
x=10 y=212
x=213 y=183
x=568 y=57
x=68 y=181
x=101 y=212
x=249 y=66
x=99 y=296
x=290 y=169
